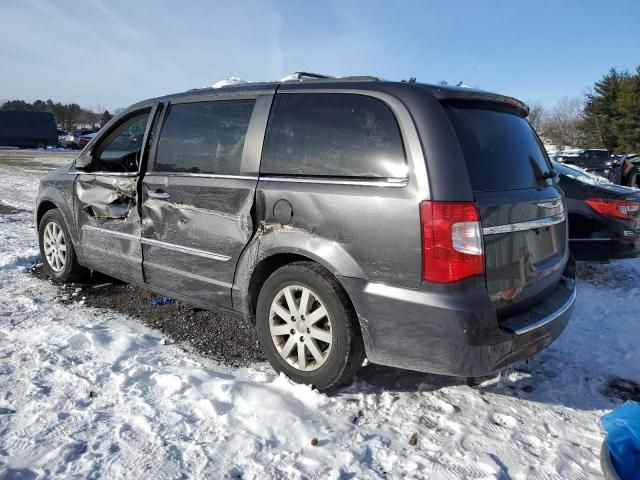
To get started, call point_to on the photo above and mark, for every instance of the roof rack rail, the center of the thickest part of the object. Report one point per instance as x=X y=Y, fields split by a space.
x=302 y=76
x=318 y=77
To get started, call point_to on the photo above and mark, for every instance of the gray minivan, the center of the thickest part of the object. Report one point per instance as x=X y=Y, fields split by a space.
x=420 y=226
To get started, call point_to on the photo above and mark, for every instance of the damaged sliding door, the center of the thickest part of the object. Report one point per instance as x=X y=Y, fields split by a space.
x=198 y=194
x=107 y=198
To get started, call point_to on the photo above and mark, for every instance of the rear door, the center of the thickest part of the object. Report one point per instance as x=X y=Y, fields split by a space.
x=199 y=191
x=522 y=209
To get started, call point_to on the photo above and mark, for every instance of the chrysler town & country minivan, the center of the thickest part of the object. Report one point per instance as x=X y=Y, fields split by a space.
x=418 y=226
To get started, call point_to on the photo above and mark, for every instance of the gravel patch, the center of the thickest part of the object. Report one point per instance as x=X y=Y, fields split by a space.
x=220 y=335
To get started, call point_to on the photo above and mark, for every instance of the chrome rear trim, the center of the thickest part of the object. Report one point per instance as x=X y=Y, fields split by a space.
x=522 y=226
x=550 y=318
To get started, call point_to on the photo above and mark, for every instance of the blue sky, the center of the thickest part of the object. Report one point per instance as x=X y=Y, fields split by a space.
x=113 y=53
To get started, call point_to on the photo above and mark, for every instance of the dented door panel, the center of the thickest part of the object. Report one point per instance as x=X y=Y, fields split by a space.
x=109 y=223
x=107 y=202
x=192 y=239
x=361 y=231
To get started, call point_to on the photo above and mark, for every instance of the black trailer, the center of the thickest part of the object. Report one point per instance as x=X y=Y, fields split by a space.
x=27 y=129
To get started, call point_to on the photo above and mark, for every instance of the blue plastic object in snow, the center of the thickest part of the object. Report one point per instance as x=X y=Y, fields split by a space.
x=623 y=439
x=161 y=300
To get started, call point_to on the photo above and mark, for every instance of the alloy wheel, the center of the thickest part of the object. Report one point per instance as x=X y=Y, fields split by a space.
x=300 y=327
x=55 y=248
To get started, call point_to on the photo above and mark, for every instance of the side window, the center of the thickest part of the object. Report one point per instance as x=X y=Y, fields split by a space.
x=120 y=151
x=332 y=135
x=204 y=137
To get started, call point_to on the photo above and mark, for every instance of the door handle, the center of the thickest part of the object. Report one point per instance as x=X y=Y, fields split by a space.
x=158 y=195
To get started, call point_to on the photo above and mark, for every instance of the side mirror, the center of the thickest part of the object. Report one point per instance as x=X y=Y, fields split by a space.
x=83 y=161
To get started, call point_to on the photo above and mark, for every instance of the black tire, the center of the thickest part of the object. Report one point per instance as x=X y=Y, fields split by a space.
x=71 y=270
x=347 y=350
x=39 y=144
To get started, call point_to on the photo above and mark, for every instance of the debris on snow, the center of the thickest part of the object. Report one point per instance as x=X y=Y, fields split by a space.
x=162 y=300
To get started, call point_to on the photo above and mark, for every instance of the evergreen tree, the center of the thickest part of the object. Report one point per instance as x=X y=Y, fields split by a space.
x=106 y=116
x=67 y=116
x=626 y=123
x=605 y=114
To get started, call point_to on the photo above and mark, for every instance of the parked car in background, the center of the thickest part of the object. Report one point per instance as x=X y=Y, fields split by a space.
x=604 y=218
x=85 y=139
x=71 y=140
x=419 y=224
x=596 y=161
x=61 y=135
x=27 y=129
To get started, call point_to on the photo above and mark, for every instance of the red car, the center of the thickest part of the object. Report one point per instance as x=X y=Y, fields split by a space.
x=84 y=139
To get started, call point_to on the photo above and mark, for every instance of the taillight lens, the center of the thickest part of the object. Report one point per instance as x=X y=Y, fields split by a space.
x=624 y=209
x=451 y=241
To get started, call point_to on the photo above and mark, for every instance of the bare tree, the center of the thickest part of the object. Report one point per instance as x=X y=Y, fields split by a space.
x=537 y=116
x=562 y=125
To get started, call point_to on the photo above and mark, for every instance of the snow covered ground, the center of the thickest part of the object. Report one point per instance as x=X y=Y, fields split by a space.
x=88 y=393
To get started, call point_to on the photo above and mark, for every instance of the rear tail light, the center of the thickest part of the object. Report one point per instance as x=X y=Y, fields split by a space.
x=451 y=241
x=624 y=209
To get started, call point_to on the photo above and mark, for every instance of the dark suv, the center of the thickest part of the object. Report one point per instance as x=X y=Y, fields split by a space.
x=596 y=161
x=418 y=225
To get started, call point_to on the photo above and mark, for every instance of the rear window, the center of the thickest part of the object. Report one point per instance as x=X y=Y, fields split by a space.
x=500 y=148
x=595 y=157
x=332 y=135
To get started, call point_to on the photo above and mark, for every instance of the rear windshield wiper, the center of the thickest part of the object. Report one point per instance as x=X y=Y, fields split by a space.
x=549 y=174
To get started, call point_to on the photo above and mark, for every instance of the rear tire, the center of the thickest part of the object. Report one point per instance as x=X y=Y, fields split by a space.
x=56 y=249
x=323 y=349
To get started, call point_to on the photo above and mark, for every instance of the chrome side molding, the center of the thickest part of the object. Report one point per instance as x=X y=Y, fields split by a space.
x=189 y=250
x=400 y=182
x=150 y=241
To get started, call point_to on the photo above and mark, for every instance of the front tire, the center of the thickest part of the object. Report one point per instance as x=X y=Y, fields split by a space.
x=56 y=249
x=307 y=327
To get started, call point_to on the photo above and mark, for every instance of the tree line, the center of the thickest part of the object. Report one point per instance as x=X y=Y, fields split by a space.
x=607 y=116
x=68 y=116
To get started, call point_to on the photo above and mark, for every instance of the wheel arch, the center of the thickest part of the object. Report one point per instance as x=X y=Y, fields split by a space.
x=51 y=199
x=274 y=246
x=43 y=207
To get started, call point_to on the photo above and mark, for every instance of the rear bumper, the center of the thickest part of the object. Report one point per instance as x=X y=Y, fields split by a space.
x=454 y=334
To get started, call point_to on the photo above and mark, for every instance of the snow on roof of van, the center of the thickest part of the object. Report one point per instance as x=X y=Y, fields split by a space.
x=229 y=81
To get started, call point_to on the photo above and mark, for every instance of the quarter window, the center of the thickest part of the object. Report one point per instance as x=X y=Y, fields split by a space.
x=204 y=137
x=332 y=135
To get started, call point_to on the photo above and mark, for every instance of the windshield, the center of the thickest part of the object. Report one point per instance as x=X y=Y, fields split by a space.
x=501 y=149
